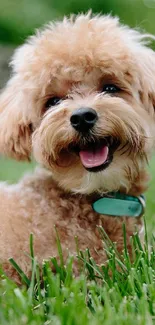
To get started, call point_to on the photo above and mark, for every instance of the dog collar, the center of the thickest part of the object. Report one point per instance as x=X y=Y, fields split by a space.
x=118 y=204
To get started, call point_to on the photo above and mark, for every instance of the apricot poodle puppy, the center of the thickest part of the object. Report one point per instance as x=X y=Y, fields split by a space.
x=81 y=100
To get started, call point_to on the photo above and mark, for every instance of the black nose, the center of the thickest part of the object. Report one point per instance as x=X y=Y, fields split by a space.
x=83 y=119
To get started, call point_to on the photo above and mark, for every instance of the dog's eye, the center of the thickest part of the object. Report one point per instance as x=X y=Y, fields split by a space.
x=111 y=89
x=52 y=102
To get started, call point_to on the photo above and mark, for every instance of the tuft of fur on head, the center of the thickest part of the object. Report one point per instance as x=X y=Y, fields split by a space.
x=73 y=60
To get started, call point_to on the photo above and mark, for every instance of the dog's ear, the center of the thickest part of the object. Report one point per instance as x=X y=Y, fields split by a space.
x=145 y=62
x=15 y=127
x=147 y=79
x=140 y=46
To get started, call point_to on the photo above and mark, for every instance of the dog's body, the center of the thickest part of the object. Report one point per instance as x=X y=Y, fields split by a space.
x=36 y=205
x=82 y=99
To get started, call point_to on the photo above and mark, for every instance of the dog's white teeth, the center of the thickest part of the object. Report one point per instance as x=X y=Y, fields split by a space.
x=94 y=158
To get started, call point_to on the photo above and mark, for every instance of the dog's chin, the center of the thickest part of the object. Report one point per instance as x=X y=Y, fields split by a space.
x=94 y=155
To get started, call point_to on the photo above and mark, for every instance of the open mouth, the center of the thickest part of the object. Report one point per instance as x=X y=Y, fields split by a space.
x=96 y=155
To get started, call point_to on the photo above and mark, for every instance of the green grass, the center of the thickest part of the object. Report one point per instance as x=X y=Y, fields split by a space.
x=121 y=292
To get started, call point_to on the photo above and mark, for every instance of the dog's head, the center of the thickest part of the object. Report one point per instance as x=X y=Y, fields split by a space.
x=81 y=98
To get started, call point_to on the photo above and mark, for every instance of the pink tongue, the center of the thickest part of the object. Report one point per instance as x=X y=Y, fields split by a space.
x=94 y=158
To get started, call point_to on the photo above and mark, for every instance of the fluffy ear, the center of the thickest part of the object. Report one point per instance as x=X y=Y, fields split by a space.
x=147 y=81
x=145 y=58
x=15 y=127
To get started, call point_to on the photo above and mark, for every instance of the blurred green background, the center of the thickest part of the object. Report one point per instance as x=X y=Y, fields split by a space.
x=19 y=18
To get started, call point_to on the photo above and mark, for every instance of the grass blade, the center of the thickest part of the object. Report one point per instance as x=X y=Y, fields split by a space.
x=23 y=276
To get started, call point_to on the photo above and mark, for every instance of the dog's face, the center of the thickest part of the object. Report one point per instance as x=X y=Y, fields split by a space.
x=81 y=99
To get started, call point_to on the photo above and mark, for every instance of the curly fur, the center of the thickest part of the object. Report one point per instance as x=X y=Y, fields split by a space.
x=73 y=59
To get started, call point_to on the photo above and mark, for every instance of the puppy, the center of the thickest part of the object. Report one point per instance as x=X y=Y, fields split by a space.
x=81 y=100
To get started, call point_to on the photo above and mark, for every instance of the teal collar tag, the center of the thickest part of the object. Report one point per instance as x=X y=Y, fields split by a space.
x=121 y=205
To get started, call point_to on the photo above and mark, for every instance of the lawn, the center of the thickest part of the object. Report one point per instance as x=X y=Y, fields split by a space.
x=120 y=293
